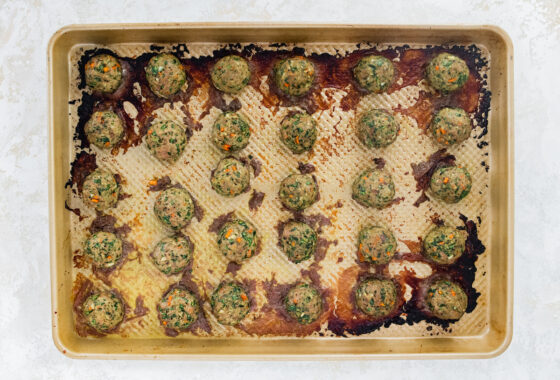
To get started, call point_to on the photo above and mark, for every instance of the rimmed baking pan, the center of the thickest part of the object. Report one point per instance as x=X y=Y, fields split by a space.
x=484 y=332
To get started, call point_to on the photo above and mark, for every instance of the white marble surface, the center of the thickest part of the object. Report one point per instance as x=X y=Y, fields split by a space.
x=26 y=348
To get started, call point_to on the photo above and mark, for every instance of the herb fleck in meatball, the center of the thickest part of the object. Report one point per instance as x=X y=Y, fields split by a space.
x=178 y=309
x=446 y=300
x=103 y=311
x=237 y=240
x=377 y=128
x=103 y=73
x=104 y=129
x=447 y=72
x=174 y=207
x=230 y=178
x=298 y=132
x=451 y=126
x=172 y=254
x=299 y=241
x=165 y=75
x=294 y=76
x=373 y=188
x=104 y=249
x=100 y=190
x=444 y=244
x=451 y=183
x=374 y=73
x=231 y=132
x=304 y=303
x=166 y=140
x=230 y=303
x=231 y=74
x=376 y=297
x=298 y=191
x=376 y=244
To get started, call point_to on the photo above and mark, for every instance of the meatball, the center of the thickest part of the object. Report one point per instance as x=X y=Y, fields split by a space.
x=451 y=183
x=230 y=178
x=166 y=140
x=374 y=188
x=178 y=309
x=103 y=73
x=298 y=240
x=304 y=303
x=165 y=75
x=103 y=311
x=231 y=132
x=377 y=128
x=444 y=244
x=451 y=126
x=446 y=300
x=294 y=76
x=376 y=244
x=376 y=297
x=104 y=129
x=174 y=207
x=104 y=249
x=237 y=240
x=172 y=254
x=447 y=72
x=298 y=132
x=374 y=73
x=231 y=74
x=100 y=190
x=298 y=191
x=230 y=303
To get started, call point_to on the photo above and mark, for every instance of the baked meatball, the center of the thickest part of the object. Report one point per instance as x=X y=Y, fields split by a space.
x=237 y=240
x=165 y=75
x=450 y=126
x=166 y=140
x=103 y=311
x=231 y=74
x=298 y=191
x=103 y=73
x=231 y=132
x=298 y=132
x=377 y=128
x=100 y=190
x=178 y=309
x=230 y=178
x=444 y=244
x=446 y=300
x=104 y=249
x=294 y=76
x=451 y=183
x=174 y=207
x=376 y=244
x=376 y=297
x=304 y=303
x=299 y=241
x=172 y=254
x=230 y=303
x=447 y=72
x=104 y=129
x=374 y=73
x=373 y=188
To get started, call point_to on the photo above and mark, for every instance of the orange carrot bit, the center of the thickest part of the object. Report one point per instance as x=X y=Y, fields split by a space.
x=244 y=297
x=381 y=304
x=440 y=292
x=234 y=168
x=222 y=129
x=109 y=257
x=451 y=236
x=250 y=231
x=381 y=180
x=249 y=253
x=165 y=323
x=150 y=131
x=443 y=131
x=105 y=69
x=360 y=246
x=107 y=143
x=441 y=243
x=388 y=253
x=452 y=80
x=361 y=257
x=238 y=240
x=226 y=147
x=232 y=135
x=446 y=179
x=453 y=293
x=297 y=140
x=153 y=182
x=293 y=244
x=374 y=258
x=286 y=84
x=228 y=233
x=295 y=300
x=437 y=67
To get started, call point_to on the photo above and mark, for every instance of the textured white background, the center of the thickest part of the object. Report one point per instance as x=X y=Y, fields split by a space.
x=26 y=348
